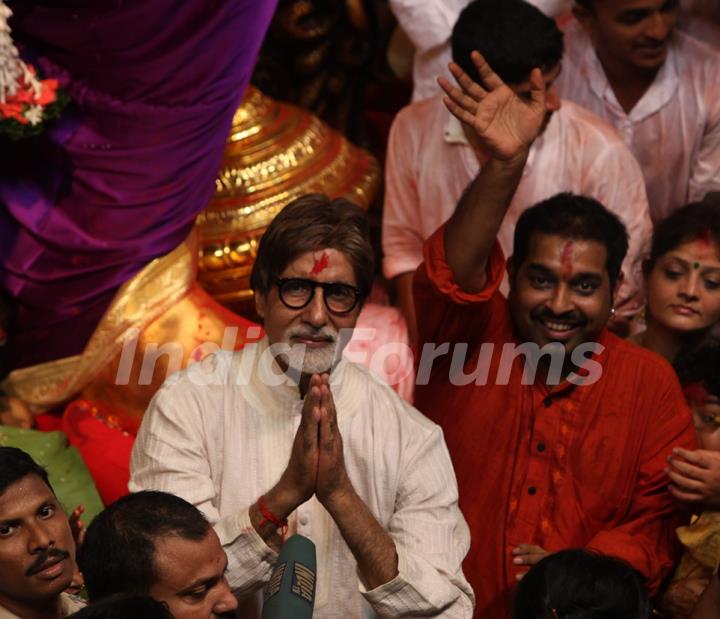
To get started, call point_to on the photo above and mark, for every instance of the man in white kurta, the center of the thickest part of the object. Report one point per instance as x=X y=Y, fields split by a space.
x=430 y=163
x=429 y=23
x=229 y=430
x=674 y=128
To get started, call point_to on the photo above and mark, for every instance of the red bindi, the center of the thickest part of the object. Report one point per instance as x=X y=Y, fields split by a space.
x=321 y=264
x=566 y=260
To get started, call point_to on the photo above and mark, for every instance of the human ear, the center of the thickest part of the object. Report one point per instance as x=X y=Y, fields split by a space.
x=260 y=303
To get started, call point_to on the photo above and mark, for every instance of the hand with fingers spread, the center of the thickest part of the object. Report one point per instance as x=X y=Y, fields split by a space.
x=332 y=478
x=527 y=554
x=505 y=124
x=695 y=476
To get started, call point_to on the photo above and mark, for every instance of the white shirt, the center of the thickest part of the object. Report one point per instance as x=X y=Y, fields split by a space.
x=429 y=23
x=430 y=163
x=221 y=446
x=67 y=605
x=673 y=131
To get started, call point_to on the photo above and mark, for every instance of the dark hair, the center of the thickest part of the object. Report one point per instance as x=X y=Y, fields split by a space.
x=587 y=4
x=700 y=366
x=693 y=221
x=512 y=35
x=117 y=555
x=573 y=216
x=313 y=222
x=125 y=607
x=16 y=464
x=578 y=584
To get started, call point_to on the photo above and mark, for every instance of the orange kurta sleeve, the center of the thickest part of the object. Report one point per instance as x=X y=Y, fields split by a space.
x=446 y=312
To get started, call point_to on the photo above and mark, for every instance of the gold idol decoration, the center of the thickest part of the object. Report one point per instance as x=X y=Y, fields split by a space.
x=275 y=153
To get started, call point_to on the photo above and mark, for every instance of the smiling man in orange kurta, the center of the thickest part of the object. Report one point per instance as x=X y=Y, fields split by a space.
x=574 y=455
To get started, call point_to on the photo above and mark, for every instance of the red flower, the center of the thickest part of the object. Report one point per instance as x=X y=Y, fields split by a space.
x=13 y=110
x=47 y=95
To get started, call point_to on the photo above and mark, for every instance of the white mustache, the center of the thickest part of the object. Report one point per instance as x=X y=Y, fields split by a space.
x=330 y=334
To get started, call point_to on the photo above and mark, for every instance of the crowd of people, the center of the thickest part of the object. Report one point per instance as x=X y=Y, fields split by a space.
x=552 y=228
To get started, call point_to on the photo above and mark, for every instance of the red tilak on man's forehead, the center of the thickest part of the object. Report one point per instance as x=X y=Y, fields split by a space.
x=566 y=259
x=321 y=264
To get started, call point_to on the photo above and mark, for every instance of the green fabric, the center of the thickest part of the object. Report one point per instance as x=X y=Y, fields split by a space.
x=68 y=474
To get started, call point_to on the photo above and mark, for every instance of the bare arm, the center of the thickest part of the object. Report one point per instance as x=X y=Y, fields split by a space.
x=504 y=126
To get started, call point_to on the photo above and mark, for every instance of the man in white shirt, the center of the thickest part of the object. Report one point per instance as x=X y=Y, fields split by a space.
x=428 y=24
x=37 y=551
x=626 y=62
x=431 y=160
x=286 y=436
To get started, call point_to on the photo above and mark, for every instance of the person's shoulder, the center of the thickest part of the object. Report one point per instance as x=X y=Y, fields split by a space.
x=423 y=111
x=214 y=369
x=692 y=51
x=587 y=126
x=652 y=367
x=696 y=62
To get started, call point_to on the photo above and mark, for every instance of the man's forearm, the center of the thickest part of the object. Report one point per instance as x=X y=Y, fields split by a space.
x=373 y=549
x=473 y=227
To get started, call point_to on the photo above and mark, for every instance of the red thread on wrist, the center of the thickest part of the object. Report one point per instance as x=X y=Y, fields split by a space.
x=270 y=518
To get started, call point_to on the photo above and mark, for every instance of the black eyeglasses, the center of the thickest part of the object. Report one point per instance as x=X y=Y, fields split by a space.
x=296 y=293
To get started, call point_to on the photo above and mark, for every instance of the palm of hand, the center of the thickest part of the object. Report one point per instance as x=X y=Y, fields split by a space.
x=506 y=124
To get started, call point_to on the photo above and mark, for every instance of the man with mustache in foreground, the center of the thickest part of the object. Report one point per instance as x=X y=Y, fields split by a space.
x=626 y=61
x=559 y=431
x=285 y=437
x=37 y=551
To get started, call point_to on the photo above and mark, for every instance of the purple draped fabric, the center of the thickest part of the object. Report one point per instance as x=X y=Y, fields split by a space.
x=120 y=178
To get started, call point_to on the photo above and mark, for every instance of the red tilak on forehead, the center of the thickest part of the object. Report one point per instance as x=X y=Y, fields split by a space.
x=706 y=238
x=566 y=259
x=321 y=264
x=695 y=393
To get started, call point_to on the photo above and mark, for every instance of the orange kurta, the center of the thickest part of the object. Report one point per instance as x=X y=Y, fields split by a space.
x=564 y=466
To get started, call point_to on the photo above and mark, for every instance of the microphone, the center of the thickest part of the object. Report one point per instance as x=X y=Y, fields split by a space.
x=290 y=593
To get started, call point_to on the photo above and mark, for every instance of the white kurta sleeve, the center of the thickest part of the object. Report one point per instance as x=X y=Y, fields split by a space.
x=617 y=182
x=402 y=238
x=171 y=454
x=431 y=538
x=705 y=173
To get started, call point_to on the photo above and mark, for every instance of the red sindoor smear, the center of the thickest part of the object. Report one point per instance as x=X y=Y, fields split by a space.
x=566 y=260
x=706 y=237
x=321 y=264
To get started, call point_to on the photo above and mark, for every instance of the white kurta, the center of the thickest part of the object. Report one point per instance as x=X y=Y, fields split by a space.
x=673 y=131
x=427 y=169
x=429 y=23
x=222 y=445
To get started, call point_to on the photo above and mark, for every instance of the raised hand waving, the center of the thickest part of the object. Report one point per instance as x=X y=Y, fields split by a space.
x=504 y=124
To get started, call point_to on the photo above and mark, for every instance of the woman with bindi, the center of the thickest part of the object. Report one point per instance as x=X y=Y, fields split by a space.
x=682 y=281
